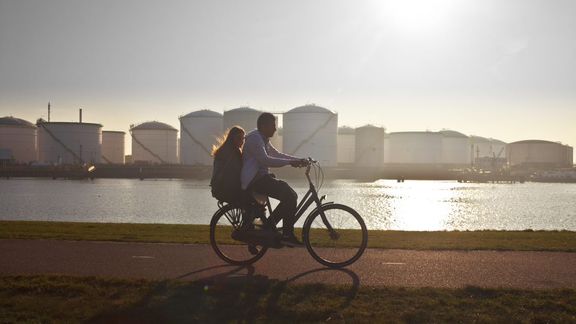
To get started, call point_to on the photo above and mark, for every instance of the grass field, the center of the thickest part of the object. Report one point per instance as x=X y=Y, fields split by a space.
x=199 y=234
x=45 y=299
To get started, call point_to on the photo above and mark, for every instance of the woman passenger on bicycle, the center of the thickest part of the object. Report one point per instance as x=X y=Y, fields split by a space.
x=227 y=155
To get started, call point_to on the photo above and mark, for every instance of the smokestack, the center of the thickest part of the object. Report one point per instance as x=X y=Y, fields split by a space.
x=48 y=111
x=80 y=115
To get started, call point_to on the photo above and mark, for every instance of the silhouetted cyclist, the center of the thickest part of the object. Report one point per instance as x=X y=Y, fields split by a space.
x=258 y=156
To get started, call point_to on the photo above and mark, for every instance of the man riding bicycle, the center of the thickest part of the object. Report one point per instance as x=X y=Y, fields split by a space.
x=258 y=156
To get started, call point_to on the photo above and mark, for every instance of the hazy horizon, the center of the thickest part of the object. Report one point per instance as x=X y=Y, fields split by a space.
x=505 y=70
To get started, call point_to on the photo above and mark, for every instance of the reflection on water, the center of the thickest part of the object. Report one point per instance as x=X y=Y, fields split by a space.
x=384 y=204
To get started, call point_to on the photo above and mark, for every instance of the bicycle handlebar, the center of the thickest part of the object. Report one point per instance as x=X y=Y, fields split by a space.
x=309 y=166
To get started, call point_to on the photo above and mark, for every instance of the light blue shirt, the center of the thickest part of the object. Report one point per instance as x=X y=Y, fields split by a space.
x=258 y=156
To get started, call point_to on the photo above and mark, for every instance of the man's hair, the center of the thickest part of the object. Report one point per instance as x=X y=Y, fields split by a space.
x=265 y=118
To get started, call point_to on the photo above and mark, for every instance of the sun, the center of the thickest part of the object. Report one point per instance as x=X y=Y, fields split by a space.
x=418 y=16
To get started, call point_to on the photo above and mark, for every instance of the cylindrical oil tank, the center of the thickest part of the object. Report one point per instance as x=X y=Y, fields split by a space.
x=244 y=117
x=498 y=148
x=455 y=148
x=311 y=131
x=537 y=153
x=481 y=147
x=369 y=146
x=569 y=155
x=487 y=153
x=415 y=148
x=387 y=148
x=346 y=145
x=18 y=138
x=113 y=147
x=276 y=140
x=199 y=131
x=154 y=142
x=69 y=142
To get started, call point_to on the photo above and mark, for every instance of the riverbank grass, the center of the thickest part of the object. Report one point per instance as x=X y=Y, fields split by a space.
x=47 y=299
x=564 y=241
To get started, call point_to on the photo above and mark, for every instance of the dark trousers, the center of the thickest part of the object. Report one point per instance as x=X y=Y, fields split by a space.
x=278 y=189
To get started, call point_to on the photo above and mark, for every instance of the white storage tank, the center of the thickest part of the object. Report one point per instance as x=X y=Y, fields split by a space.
x=244 y=117
x=18 y=138
x=199 y=131
x=415 y=148
x=538 y=153
x=369 y=146
x=276 y=140
x=455 y=148
x=113 y=150
x=154 y=142
x=481 y=147
x=387 y=148
x=498 y=148
x=346 y=145
x=69 y=142
x=312 y=131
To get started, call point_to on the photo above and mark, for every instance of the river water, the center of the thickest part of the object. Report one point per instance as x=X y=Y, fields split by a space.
x=384 y=204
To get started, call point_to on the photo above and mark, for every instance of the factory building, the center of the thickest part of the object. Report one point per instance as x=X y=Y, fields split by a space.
x=18 y=140
x=199 y=131
x=154 y=142
x=455 y=149
x=244 y=117
x=538 y=153
x=415 y=148
x=346 y=145
x=369 y=144
x=69 y=142
x=113 y=150
x=311 y=131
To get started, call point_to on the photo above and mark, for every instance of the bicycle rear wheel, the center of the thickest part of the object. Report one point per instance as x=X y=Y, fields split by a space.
x=335 y=235
x=224 y=222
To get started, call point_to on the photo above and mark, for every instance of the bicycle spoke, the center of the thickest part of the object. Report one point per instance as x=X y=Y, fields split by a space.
x=224 y=223
x=337 y=236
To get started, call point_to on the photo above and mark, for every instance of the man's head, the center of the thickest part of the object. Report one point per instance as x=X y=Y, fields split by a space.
x=266 y=124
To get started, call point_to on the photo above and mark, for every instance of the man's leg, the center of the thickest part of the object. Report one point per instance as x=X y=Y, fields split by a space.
x=288 y=198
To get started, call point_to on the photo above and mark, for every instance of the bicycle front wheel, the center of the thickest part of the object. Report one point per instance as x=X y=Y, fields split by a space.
x=335 y=235
x=224 y=222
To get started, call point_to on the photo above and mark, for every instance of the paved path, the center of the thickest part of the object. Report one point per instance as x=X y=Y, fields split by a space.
x=450 y=269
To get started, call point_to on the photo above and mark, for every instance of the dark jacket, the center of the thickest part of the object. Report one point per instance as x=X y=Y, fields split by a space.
x=225 y=180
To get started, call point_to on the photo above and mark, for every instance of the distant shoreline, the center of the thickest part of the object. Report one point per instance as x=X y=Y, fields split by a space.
x=176 y=171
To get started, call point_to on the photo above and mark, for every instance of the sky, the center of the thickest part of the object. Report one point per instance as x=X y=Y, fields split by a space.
x=493 y=68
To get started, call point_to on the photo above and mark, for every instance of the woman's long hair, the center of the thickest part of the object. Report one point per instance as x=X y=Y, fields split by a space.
x=226 y=139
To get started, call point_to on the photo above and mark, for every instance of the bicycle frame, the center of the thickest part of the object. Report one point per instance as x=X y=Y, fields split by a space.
x=309 y=198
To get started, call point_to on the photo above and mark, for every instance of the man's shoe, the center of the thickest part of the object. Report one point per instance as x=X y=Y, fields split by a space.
x=290 y=241
x=252 y=249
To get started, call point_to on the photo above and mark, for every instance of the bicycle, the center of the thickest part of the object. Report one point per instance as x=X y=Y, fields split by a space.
x=335 y=235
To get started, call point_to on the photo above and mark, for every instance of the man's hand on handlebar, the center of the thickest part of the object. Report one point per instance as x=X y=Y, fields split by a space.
x=300 y=163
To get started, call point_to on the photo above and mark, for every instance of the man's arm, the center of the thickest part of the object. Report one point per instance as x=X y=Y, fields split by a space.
x=294 y=161
x=274 y=152
x=255 y=146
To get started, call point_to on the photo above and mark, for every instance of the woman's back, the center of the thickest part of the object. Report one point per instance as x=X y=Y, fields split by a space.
x=225 y=180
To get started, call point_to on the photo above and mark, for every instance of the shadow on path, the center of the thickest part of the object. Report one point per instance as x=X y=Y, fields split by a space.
x=238 y=294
